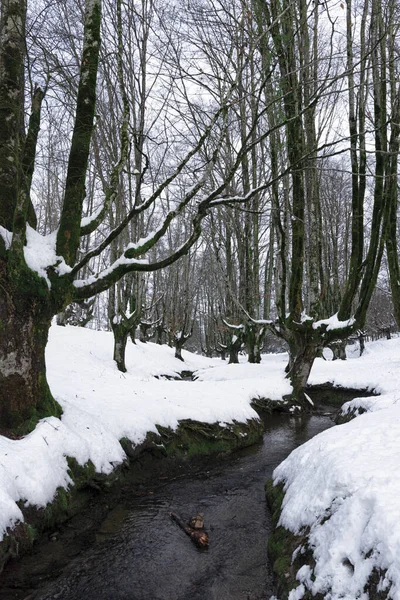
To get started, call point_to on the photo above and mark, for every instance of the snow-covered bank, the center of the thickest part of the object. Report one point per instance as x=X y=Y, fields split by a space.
x=343 y=486
x=101 y=406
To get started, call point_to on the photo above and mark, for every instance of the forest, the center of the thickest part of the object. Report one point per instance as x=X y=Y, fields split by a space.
x=219 y=175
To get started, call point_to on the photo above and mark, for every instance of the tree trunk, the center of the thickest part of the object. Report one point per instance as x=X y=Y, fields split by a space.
x=361 y=340
x=159 y=332
x=233 y=356
x=251 y=345
x=339 y=350
x=178 y=351
x=234 y=347
x=144 y=335
x=24 y=392
x=302 y=355
x=254 y=336
x=121 y=335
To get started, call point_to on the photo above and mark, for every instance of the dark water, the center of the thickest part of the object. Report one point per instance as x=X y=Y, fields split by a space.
x=141 y=554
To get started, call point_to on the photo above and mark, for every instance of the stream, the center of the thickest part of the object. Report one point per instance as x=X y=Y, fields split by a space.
x=138 y=553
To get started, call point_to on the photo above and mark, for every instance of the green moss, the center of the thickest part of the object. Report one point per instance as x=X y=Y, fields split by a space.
x=81 y=475
x=28 y=283
x=17 y=542
x=57 y=510
x=282 y=544
x=274 y=495
x=193 y=438
x=47 y=408
x=335 y=395
x=3 y=251
x=264 y=405
x=349 y=416
x=32 y=534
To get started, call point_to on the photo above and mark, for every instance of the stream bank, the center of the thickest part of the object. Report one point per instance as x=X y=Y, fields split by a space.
x=190 y=441
x=136 y=552
x=181 y=452
x=293 y=554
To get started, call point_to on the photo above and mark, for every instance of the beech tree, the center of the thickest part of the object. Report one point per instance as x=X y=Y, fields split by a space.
x=40 y=275
x=305 y=83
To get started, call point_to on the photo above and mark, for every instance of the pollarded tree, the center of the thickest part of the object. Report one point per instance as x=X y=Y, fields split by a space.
x=306 y=82
x=40 y=275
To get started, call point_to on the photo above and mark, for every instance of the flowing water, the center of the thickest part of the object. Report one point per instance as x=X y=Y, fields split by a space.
x=139 y=553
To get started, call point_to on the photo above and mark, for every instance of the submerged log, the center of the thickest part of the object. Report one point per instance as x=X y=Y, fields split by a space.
x=194 y=530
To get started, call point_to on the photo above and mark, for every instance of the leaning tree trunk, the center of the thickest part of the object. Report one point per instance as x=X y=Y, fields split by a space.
x=25 y=321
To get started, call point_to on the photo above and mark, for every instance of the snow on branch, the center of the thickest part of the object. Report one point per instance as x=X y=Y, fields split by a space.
x=147 y=203
x=333 y=323
x=231 y=326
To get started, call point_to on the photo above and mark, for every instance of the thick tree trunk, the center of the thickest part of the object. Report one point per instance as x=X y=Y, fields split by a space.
x=254 y=339
x=233 y=349
x=235 y=343
x=179 y=340
x=24 y=393
x=251 y=345
x=121 y=335
x=302 y=355
x=339 y=350
x=160 y=332
x=233 y=356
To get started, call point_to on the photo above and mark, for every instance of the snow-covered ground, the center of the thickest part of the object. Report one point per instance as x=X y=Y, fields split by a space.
x=343 y=485
x=102 y=405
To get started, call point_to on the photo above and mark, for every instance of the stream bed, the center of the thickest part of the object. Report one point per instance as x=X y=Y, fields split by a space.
x=136 y=552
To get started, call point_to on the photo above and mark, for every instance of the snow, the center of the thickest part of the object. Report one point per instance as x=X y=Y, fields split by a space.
x=7 y=237
x=102 y=405
x=40 y=253
x=333 y=323
x=85 y=221
x=122 y=260
x=342 y=487
x=141 y=242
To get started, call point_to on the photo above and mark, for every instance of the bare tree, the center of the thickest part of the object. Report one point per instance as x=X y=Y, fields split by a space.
x=33 y=290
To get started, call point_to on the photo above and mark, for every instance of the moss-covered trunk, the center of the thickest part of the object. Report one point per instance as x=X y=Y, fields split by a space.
x=121 y=335
x=302 y=353
x=252 y=354
x=25 y=320
x=254 y=336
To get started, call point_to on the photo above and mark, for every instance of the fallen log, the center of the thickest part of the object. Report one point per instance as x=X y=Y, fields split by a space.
x=195 y=532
